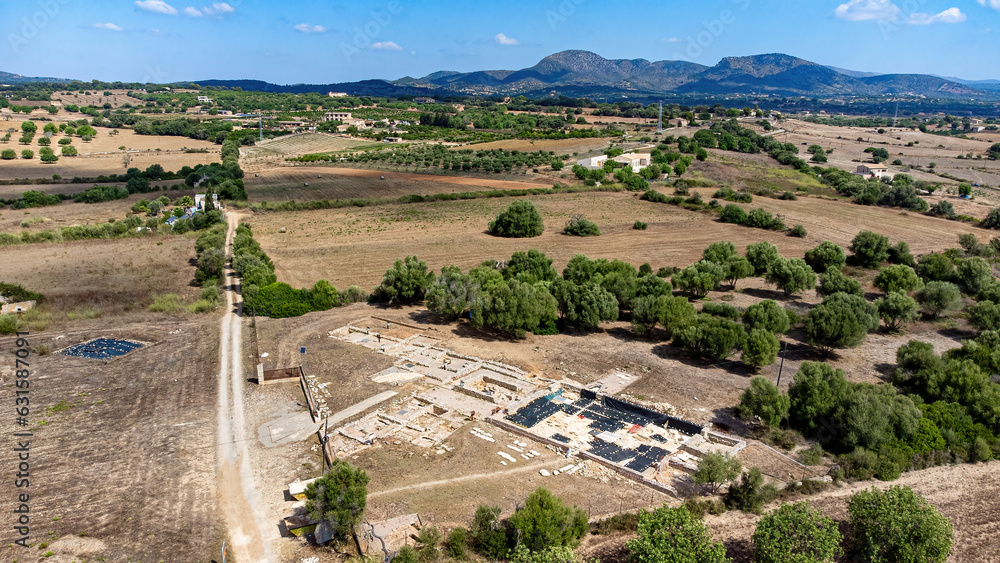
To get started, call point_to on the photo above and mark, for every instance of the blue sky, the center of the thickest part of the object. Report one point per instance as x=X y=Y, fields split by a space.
x=325 y=42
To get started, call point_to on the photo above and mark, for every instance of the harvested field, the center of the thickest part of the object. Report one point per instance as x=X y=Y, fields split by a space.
x=334 y=182
x=101 y=155
x=356 y=246
x=112 y=276
x=303 y=143
x=123 y=450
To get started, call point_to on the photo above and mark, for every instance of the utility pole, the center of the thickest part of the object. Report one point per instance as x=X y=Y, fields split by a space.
x=260 y=124
x=659 y=121
x=782 y=364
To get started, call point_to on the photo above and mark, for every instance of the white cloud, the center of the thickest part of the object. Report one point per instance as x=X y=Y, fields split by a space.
x=158 y=6
x=502 y=39
x=862 y=10
x=108 y=26
x=386 y=46
x=306 y=28
x=671 y=40
x=951 y=15
x=218 y=9
x=222 y=8
x=995 y=4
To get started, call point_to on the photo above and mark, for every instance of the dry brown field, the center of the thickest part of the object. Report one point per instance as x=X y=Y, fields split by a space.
x=559 y=146
x=113 y=277
x=101 y=155
x=123 y=452
x=356 y=246
x=334 y=182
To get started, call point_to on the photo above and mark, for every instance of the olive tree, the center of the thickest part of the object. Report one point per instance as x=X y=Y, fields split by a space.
x=870 y=249
x=763 y=401
x=791 y=275
x=897 y=308
x=825 y=256
x=939 y=297
x=404 y=283
x=698 y=279
x=840 y=321
x=897 y=525
x=520 y=220
x=898 y=278
x=673 y=535
x=796 y=533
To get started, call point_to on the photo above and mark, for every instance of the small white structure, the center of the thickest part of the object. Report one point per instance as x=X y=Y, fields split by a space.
x=199 y=201
x=20 y=307
x=872 y=171
x=337 y=94
x=594 y=162
x=204 y=100
x=635 y=161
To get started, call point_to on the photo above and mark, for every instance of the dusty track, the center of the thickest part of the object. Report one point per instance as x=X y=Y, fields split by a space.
x=237 y=494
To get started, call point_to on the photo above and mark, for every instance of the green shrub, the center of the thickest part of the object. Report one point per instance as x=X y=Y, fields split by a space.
x=9 y=324
x=520 y=220
x=580 y=227
x=639 y=226
x=167 y=303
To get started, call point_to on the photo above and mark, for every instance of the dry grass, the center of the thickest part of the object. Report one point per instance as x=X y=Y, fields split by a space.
x=101 y=155
x=334 y=182
x=356 y=246
x=114 y=276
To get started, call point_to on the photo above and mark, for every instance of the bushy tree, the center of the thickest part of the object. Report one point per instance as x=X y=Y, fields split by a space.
x=586 y=305
x=719 y=252
x=674 y=313
x=896 y=309
x=673 y=535
x=834 y=281
x=520 y=220
x=870 y=249
x=698 y=279
x=734 y=214
x=405 y=283
x=796 y=533
x=935 y=267
x=942 y=208
x=791 y=275
x=338 y=498
x=766 y=315
x=455 y=544
x=750 y=493
x=452 y=293
x=715 y=470
x=973 y=275
x=514 y=307
x=521 y=554
x=711 y=337
x=761 y=255
x=578 y=226
x=825 y=256
x=897 y=278
x=939 y=297
x=487 y=535
x=817 y=391
x=544 y=522
x=897 y=525
x=992 y=220
x=530 y=267
x=735 y=269
x=763 y=401
x=760 y=348
x=840 y=321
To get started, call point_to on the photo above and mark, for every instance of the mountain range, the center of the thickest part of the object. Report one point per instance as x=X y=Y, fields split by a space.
x=771 y=74
x=585 y=74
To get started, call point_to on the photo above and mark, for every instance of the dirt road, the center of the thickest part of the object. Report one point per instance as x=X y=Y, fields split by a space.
x=251 y=539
